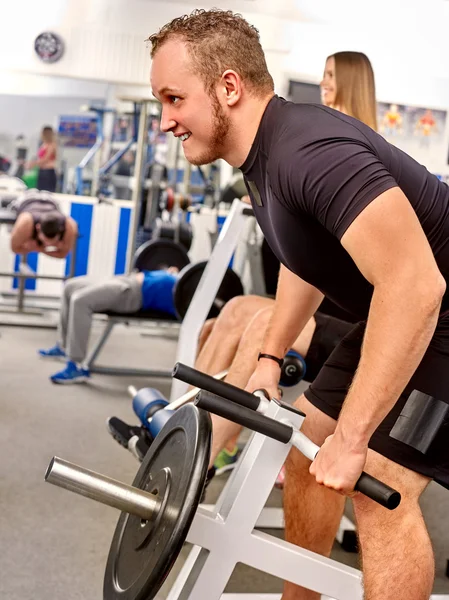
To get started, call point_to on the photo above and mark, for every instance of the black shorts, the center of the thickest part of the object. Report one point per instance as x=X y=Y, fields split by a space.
x=46 y=180
x=329 y=332
x=329 y=389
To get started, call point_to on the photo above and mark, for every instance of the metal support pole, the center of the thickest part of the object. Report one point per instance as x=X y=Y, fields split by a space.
x=137 y=188
x=22 y=283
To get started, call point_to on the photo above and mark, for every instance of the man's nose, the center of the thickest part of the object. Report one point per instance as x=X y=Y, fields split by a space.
x=167 y=122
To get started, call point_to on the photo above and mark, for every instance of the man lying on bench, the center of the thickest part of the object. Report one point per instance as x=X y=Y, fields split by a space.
x=40 y=225
x=124 y=294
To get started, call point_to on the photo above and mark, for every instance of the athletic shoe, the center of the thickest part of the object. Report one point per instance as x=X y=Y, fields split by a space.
x=53 y=352
x=71 y=374
x=139 y=445
x=121 y=431
x=226 y=460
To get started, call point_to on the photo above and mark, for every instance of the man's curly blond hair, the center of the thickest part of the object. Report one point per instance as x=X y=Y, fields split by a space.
x=218 y=40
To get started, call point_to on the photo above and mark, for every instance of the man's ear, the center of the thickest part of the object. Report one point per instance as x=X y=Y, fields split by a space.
x=231 y=87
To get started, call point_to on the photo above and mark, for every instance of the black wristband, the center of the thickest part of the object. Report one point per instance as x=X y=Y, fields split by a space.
x=279 y=361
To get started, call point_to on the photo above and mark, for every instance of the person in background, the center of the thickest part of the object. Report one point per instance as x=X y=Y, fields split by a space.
x=40 y=226
x=348 y=86
x=82 y=297
x=46 y=161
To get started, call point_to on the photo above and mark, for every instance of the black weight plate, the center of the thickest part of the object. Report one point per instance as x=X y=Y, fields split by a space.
x=157 y=254
x=180 y=232
x=142 y=553
x=188 y=281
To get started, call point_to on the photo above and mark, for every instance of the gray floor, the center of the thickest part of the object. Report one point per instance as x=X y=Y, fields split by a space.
x=54 y=544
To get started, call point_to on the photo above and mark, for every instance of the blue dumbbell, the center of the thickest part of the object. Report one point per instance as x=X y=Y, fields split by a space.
x=158 y=421
x=293 y=369
x=146 y=402
x=150 y=406
x=153 y=409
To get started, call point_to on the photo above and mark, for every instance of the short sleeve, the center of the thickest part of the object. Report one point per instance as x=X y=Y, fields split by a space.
x=333 y=180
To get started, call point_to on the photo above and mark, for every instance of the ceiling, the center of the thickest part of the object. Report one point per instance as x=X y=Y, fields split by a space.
x=391 y=13
x=286 y=9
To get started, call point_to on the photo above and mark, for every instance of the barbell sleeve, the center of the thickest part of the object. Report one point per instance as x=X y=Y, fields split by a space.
x=206 y=382
x=368 y=485
x=102 y=489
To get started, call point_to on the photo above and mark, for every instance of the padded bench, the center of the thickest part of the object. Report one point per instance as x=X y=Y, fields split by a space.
x=113 y=318
x=142 y=315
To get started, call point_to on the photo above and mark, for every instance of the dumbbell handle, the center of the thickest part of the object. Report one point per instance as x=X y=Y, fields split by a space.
x=368 y=485
x=95 y=486
x=206 y=382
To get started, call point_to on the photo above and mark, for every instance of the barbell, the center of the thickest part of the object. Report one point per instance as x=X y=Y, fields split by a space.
x=158 y=508
x=158 y=254
x=180 y=232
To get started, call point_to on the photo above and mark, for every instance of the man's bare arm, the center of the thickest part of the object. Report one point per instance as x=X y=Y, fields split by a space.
x=391 y=250
x=22 y=233
x=296 y=302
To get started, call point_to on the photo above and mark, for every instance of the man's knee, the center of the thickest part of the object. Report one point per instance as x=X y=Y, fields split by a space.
x=205 y=332
x=240 y=309
x=74 y=284
x=260 y=321
x=80 y=298
x=233 y=312
x=70 y=286
x=408 y=483
x=317 y=425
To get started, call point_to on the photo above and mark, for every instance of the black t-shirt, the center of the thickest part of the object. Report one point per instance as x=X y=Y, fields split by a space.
x=310 y=172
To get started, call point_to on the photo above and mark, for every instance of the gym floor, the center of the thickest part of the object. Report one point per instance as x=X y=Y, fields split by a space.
x=54 y=544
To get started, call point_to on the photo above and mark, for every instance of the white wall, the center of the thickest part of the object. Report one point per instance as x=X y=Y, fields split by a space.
x=105 y=40
x=106 y=55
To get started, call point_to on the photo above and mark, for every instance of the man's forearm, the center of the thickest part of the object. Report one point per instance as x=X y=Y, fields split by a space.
x=56 y=253
x=399 y=329
x=296 y=302
x=285 y=326
x=25 y=248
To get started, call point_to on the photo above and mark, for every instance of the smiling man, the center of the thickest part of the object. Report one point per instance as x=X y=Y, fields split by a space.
x=352 y=218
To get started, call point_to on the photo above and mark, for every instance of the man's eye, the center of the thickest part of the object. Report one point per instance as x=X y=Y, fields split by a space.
x=173 y=99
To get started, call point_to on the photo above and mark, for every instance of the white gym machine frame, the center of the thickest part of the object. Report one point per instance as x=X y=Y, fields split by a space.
x=226 y=534
x=207 y=290
x=197 y=312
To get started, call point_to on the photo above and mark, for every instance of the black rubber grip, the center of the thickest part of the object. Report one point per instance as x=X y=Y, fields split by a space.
x=244 y=416
x=368 y=485
x=378 y=491
x=221 y=388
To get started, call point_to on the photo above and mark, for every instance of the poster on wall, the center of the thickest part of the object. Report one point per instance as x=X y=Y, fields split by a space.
x=77 y=131
x=418 y=131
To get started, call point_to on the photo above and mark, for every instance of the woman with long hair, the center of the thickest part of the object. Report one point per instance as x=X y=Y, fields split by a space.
x=348 y=86
x=46 y=161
